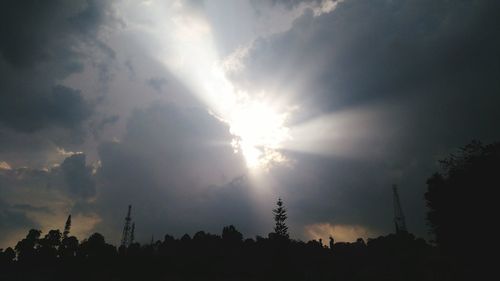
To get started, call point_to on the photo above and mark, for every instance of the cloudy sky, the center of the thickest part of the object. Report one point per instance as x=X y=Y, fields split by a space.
x=202 y=113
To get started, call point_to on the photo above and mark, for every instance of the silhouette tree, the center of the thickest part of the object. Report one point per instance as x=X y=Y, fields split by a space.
x=96 y=248
x=49 y=245
x=7 y=256
x=207 y=256
x=280 y=216
x=67 y=227
x=26 y=248
x=231 y=235
x=68 y=247
x=185 y=238
x=461 y=199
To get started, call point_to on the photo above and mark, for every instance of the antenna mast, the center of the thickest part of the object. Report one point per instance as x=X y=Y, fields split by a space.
x=399 y=218
x=132 y=233
x=127 y=229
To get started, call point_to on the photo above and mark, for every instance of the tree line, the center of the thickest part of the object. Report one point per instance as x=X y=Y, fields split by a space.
x=458 y=199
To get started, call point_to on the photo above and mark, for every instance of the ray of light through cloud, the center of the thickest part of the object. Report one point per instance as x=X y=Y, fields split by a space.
x=259 y=125
x=202 y=113
x=344 y=133
x=189 y=52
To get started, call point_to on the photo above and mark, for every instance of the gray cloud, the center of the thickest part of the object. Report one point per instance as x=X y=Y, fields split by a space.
x=12 y=221
x=30 y=208
x=157 y=83
x=34 y=31
x=426 y=70
x=287 y=3
x=62 y=106
x=34 y=198
x=431 y=67
x=41 y=45
x=99 y=126
x=73 y=178
x=77 y=176
x=164 y=166
x=393 y=49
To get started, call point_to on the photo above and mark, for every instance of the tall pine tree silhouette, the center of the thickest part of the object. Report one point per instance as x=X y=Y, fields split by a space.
x=67 y=227
x=281 y=229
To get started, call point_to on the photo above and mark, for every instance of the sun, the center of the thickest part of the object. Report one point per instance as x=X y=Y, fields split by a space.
x=258 y=130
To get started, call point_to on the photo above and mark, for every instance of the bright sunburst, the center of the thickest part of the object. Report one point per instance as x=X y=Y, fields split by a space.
x=259 y=132
x=257 y=127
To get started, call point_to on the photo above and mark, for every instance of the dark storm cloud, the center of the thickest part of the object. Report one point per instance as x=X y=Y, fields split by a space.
x=30 y=196
x=342 y=192
x=40 y=44
x=78 y=177
x=73 y=178
x=370 y=50
x=30 y=208
x=12 y=220
x=432 y=66
x=231 y=203
x=34 y=31
x=61 y=106
x=172 y=166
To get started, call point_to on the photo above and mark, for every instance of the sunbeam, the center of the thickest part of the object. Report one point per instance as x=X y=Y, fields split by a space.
x=258 y=122
x=257 y=127
x=345 y=133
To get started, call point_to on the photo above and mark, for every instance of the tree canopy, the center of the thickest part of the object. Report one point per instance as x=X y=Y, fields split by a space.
x=460 y=199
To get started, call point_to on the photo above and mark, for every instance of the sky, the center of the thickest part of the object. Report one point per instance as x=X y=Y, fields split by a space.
x=201 y=114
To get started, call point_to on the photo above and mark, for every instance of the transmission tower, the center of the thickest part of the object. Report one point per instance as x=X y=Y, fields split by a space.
x=399 y=218
x=127 y=229
x=132 y=233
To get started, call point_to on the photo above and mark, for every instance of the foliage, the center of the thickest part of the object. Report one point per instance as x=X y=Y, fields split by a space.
x=460 y=200
x=280 y=216
x=223 y=257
